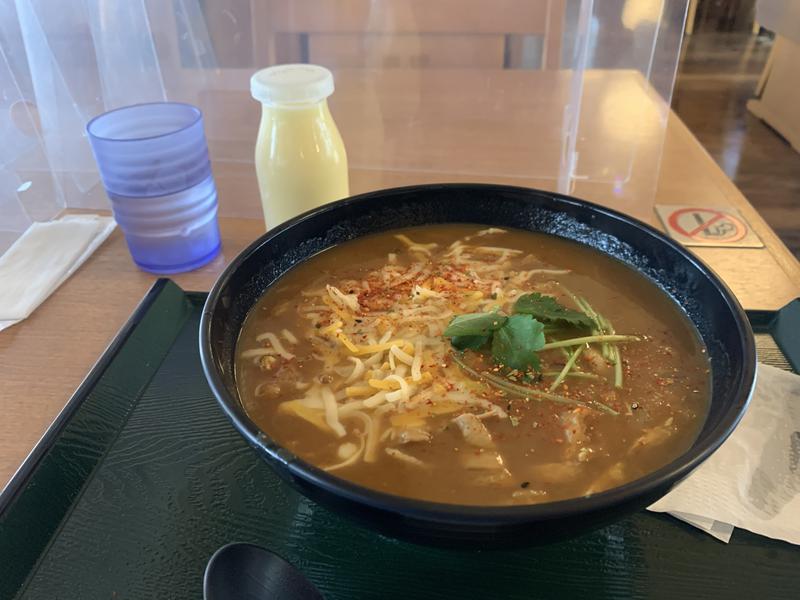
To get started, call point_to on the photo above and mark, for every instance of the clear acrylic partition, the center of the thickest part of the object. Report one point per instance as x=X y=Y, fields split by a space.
x=567 y=95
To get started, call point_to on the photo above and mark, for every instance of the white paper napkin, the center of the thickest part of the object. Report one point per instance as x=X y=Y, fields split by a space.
x=43 y=258
x=753 y=480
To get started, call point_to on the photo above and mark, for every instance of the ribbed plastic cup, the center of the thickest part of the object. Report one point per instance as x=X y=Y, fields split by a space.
x=153 y=160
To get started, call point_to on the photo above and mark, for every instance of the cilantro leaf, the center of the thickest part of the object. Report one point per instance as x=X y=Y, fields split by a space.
x=515 y=344
x=475 y=324
x=548 y=309
x=469 y=342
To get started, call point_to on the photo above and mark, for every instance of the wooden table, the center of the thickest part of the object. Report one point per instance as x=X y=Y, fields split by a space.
x=44 y=358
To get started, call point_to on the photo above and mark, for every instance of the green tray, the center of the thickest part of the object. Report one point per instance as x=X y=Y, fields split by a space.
x=142 y=478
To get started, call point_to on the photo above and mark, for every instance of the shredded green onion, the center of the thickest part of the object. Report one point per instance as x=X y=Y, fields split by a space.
x=567 y=368
x=590 y=339
x=606 y=329
x=613 y=351
x=603 y=327
x=522 y=391
x=617 y=368
x=583 y=304
x=576 y=374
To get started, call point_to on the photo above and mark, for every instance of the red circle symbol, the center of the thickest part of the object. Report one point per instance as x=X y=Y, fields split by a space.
x=707 y=224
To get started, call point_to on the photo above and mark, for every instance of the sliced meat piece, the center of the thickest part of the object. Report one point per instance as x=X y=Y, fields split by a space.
x=488 y=467
x=482 y=461
x=560 y=472
x=405 y=435
x=584 y=454
x=595 y=361
x=487 y=463
x=575 y=432
x=611 y=478
x=474 y=431
x=574 y=425
x=492 y=477
x=653 y=436
x=406 y=458
x=528 y=496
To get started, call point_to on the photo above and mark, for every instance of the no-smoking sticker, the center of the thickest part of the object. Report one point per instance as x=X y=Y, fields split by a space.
x=707 y=226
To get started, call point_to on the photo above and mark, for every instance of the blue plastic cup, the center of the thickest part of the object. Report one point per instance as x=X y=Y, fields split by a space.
x=153 y=160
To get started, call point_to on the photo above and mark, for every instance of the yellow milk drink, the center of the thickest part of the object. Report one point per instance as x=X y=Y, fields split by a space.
x=300 y=158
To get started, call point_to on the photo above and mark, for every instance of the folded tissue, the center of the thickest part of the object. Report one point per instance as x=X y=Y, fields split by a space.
x=43 y=258
x=753 y=480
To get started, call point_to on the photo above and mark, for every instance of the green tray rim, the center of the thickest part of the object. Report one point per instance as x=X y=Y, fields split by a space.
x=27 y=553
x=18 y=481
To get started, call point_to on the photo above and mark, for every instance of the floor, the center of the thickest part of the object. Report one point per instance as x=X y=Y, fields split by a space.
x=717 y=75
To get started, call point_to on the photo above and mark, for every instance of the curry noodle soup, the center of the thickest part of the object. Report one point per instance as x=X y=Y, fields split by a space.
x=472 y=365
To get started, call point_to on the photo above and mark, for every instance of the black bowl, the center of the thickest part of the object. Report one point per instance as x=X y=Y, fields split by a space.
x=704 y=298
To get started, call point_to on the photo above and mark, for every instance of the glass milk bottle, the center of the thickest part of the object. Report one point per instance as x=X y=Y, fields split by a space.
x=300 y=158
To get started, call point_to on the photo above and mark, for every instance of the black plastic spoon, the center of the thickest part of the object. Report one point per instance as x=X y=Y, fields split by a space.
x=247 y=572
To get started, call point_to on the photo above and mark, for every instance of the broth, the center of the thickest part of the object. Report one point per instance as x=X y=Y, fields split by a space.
x=344 y=361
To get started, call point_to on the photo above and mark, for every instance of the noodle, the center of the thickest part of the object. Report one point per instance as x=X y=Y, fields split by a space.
x=288 y=336
x=358 y=369
x=276 y=343
x=416 y=364
x=332 y=412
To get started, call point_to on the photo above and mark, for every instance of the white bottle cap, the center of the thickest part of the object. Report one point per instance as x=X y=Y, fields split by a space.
x=291 y=84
